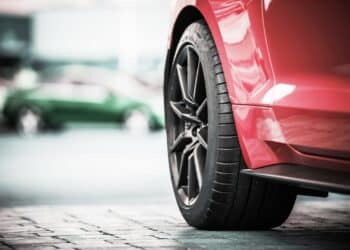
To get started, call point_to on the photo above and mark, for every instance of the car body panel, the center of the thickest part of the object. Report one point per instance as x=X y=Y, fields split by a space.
x=286 y=65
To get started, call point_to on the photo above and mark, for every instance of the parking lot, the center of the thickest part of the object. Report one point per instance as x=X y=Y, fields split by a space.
x=100 y=188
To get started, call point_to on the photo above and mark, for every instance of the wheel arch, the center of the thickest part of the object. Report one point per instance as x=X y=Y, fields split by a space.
x=186 y=12
x=189 y=14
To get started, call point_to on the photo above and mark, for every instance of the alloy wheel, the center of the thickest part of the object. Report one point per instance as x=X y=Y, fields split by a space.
x=28 y=122
x=189 y=130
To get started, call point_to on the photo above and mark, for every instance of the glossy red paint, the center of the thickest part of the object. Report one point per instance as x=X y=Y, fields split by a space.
x=287 y=67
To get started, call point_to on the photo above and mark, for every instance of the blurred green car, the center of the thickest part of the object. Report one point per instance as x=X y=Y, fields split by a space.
x=51 y=106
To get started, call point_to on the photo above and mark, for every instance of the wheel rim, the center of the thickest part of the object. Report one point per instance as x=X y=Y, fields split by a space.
x=137 y=122
x=188 y=124
x=29 y=122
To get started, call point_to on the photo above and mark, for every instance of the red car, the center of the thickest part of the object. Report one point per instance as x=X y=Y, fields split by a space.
x=257 y=101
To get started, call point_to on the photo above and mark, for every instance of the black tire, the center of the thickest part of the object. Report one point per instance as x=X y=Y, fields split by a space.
x=226 y=199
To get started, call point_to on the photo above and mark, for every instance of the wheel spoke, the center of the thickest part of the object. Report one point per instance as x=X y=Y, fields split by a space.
x=199 y=162
x=202 y=136
x=197 y=81
x=191 y=71
x=192 y=183
x=201 y=112
x=180 y=142
x=183 y=85
x=182 y=177
x=181 y=112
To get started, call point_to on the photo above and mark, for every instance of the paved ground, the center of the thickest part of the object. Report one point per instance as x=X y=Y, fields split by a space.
x=89 y=189
x=313 y=225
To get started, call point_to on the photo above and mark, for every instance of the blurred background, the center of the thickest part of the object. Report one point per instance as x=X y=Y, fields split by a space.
x=81 y=101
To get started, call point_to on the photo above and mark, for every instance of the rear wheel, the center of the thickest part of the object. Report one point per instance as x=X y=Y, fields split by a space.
x=29 y=121
x=137 y=121
x=203 y=149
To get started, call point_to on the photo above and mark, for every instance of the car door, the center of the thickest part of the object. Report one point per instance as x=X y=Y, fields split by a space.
x=78 y=102
x=93 y=103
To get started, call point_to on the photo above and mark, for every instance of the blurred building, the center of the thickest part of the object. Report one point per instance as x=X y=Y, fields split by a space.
x=15 y=42
x=130 y=33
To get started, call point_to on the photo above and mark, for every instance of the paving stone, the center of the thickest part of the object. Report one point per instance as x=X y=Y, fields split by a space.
x=314 y=224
